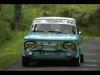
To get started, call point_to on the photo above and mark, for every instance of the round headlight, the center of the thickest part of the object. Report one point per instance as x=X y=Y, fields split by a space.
x=30 y=45
x=69 y=45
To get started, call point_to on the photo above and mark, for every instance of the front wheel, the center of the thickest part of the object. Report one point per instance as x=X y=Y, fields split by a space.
x=82 y=58
x=25 y=62
x=77 y=61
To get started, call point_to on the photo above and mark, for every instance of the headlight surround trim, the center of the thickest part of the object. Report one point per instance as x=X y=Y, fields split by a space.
x=71 y=43
x=30 y=44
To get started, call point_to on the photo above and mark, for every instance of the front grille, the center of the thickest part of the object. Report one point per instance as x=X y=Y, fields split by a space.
x=49 y=45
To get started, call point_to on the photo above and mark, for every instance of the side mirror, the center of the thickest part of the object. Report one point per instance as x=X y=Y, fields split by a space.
x=80 y=32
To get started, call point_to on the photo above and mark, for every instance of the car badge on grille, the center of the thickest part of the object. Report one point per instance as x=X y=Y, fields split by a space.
x=49 y=42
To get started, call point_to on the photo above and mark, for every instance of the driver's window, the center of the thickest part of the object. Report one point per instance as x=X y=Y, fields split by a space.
x=73 y=30
x=33 y=27
x=77 y=30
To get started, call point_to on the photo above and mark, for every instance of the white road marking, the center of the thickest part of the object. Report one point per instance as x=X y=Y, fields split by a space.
x=89 y=65
x=94 y=54
x=91 y=60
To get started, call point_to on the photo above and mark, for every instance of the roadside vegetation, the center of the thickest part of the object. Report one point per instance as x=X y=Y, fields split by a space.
x=11 y=41
x=11 y=51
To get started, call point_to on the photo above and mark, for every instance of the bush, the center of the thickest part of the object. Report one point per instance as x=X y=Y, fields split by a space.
x=5 y=33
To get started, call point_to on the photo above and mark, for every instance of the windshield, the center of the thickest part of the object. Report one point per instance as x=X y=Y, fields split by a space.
x=54 y=28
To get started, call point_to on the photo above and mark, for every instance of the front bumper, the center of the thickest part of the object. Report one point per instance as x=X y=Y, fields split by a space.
x=36 y=56
x=47 y=60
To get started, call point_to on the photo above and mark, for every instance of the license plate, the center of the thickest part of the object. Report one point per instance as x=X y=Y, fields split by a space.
x=51 y=53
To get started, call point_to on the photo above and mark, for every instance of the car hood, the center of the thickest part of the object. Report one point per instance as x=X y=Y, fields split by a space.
x=51 y=37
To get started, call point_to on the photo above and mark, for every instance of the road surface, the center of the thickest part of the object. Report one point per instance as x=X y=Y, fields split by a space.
x=92 y=61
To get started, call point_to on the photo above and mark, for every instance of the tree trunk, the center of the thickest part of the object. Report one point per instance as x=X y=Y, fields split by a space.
x=17 y=17
x=1 y=11
x=0 y=7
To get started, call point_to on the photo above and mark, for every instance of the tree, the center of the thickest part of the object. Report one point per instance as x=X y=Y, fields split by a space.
x=1 y=10
x=0 y=7
x=16 y=24
x=45 y=10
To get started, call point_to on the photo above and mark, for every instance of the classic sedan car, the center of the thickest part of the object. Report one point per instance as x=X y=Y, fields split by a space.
x=53 y=39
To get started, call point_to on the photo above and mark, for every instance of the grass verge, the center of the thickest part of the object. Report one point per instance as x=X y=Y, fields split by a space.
x=11 y=50
x=91 y=38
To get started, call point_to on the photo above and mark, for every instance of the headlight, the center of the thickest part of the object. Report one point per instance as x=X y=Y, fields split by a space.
x=68 y=45
x=59 y=46
x=29 y=51
x=30 y=45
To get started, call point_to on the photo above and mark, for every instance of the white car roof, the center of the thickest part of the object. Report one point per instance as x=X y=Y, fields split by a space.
x=55 y=18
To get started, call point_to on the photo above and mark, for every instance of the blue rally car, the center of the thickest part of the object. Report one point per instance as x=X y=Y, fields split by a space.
x=53 y=39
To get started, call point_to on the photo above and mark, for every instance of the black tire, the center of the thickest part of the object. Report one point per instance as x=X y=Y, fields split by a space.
x=25 y=62
x=76 y=62
x=82 y=58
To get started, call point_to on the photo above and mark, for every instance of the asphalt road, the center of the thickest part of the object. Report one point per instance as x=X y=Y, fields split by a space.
x=92 y=61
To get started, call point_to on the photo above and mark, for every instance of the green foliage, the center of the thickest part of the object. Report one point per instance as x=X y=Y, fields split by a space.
x=11 y=51
x=5 y=33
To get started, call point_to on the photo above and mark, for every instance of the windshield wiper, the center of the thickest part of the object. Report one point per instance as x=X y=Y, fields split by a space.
x=37 y=31
x=55 y=31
